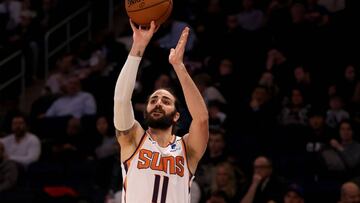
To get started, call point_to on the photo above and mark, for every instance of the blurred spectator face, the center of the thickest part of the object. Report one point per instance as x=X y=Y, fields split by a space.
x=276 y=56
x=216 y=143
x=248 y=4
x=297 y=98
x=163 y=81
x=46 y=5
x=298 y=12
x=223 y=175
x=299 y=74
x=293 y=197
x=350 y=73
x=225 y=67
x=262 y=167
x=346 y=132
x=316 y=122
x=26 y=19
x=73 y=86
x=336 y=103
x=73 y=127
x=102 y=125
x=267 y=79
x=350 y=193
x=260 y=94
x=232 y=22
x=66 y=64
x=18 y=126
x=213 y=6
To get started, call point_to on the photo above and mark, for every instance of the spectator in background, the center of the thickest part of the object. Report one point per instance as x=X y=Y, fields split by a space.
x=349 y=86
x=214 y=155
x=316 y=14
x=13 y=9
x=218 y=197
x=350 y=193
x=217 y=117
x=318 y=135
x=57 y=81
x=250 y=18
x=74 y=103
x=296 y=112
x=170 y=39
x=225 y=78
x=303 y=82
x=105 y=152
x=21 y=146
x=8 y=172
x=265 y=186
x=109 y=145
x=294 y=194
x=226 y=180
x=342 y=160
x=71 y=146
x=207 y=90
x=267 y=81
x=336 y=113
x=280 y=67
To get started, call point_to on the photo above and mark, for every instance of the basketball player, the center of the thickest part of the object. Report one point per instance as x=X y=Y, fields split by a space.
x=157 y=166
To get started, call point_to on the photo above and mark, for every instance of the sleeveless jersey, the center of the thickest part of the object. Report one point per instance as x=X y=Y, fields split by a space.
x=154 y=174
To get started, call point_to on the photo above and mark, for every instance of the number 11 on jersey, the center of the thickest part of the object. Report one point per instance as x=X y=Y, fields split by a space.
x=165 y=184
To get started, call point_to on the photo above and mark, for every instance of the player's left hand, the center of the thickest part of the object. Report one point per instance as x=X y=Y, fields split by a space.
x=177 y=54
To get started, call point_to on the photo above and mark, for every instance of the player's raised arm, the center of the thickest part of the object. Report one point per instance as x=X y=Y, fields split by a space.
x=197 y=138
x=124 y=119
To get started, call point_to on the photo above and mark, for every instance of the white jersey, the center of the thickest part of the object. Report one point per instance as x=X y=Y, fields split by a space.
x=154 y=174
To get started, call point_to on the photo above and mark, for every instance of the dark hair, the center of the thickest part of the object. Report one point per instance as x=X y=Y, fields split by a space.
x=348 y=122
x=172 y=92
x=176 y=103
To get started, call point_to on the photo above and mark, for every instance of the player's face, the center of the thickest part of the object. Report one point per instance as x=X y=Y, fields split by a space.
x=160 y=110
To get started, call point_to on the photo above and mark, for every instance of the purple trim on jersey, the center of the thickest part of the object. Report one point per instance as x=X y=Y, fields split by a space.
x=141 y=140
x=187 y=162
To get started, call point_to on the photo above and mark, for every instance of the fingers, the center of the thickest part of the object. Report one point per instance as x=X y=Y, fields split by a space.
x=152 y=26
x=133 y=27
x=183 y=39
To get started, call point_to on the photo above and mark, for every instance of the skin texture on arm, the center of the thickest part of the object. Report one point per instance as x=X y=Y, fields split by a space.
x=129 y=131
x=197 y=138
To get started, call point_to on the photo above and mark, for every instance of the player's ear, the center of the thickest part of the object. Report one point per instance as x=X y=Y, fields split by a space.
x=177 y=116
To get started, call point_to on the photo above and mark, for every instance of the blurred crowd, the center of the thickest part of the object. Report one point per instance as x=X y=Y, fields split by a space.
x=279 y=77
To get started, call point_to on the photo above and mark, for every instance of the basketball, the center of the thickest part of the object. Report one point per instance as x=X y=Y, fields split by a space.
x=142 y=12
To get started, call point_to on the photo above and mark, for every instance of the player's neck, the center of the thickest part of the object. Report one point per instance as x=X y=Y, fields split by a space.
x=162 y=137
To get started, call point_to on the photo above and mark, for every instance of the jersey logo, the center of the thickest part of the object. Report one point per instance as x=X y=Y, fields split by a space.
x=153 y=160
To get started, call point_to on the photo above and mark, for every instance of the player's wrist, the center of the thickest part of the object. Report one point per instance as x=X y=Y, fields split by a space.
x=137 y=50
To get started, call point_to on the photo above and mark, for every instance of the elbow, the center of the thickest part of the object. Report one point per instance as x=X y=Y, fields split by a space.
x=202 y=119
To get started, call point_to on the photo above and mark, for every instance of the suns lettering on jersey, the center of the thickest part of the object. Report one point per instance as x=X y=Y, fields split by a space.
x=153 y=160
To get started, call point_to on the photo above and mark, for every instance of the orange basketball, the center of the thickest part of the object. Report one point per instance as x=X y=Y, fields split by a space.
x=142 y=12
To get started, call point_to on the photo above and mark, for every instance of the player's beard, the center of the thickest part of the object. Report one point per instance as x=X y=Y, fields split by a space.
x=163 y=122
